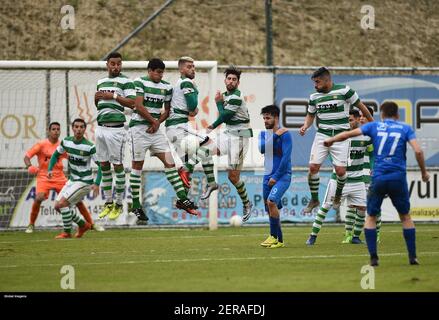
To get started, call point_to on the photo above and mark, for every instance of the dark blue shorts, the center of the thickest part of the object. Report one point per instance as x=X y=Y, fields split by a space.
x=396 y=189
x=275 y=192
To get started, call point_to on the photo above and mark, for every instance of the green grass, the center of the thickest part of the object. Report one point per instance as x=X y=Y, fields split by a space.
x=229 y=259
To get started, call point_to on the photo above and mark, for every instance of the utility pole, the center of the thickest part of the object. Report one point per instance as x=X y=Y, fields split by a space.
x=139 y=28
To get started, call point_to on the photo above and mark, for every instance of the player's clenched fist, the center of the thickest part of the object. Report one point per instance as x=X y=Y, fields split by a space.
x=425 y=177
x=302 y=130
x=219 y=96
x=33 y=170
x=328 y=142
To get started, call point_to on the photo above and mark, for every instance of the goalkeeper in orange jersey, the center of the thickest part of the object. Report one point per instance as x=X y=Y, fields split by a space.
x=44 y=150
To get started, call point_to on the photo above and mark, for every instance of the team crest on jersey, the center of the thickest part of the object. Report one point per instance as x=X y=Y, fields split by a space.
x=163 y=91
x=334 y=97
x=81 y=153
x=115 y=84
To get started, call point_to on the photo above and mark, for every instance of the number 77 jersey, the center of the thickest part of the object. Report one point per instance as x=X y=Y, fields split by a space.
x=389 y=140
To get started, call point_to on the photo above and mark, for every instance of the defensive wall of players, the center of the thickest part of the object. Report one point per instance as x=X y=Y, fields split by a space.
x=30 y=98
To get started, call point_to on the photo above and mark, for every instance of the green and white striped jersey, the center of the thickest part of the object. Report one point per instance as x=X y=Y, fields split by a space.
x=368 y=165
x=81 y=153
x=239 y=124
x=154 y=95
x=179 y=110
x=332 y=108
x=111 y=110
x=357 y=150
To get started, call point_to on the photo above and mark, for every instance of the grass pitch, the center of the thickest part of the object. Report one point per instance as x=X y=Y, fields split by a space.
x=229 y=259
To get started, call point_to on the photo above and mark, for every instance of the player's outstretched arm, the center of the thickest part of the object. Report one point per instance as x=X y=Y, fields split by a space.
x=342 y=137
x=224 y=116
x=225 y=112
x=419 y=154
x=309 y=119
x=360 y=105
x=53 y=161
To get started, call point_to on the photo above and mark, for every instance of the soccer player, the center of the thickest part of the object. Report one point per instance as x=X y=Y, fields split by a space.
x=354 y=191
x=235 y=140
x=44 y=150
x=367 y=170
x=152 y=93
x=389 y=177
x=184 y=103
x=331 y=104
x=276 y=144
x=80 y=153
x=114 y=93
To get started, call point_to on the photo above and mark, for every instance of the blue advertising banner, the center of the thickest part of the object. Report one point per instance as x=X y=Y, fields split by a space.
x=417 y=97
x=159 y=199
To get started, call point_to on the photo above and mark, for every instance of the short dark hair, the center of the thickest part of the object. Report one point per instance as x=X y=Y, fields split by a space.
x=272 y=109
x=183 y=60
x=370 y=110
x=389 y=109
x=233 y=70
x=114 y=54
x=155 y=64
x=79 y=120
x=320 y=72
x=54 y=123
x=355 y=113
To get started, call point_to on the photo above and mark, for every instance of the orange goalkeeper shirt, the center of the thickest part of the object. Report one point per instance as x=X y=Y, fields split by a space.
x=44 y=150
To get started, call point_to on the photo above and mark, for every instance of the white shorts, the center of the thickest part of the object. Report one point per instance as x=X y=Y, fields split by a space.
x=354 y=193
x=339 y=151
x=74 y=191
x=177 y=133
x=142 y=141
x=110 y=144
x=234 y=147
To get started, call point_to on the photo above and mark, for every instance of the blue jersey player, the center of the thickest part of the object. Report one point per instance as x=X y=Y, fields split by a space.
x=389 y=139
x=276 y=144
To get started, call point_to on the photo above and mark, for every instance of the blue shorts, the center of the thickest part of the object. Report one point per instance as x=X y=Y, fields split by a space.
x=275 y=192
x=396 y=189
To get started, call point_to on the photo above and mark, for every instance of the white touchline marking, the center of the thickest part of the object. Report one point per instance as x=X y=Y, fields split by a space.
x=217 y=259
x=136 y=252
x=196 y=236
